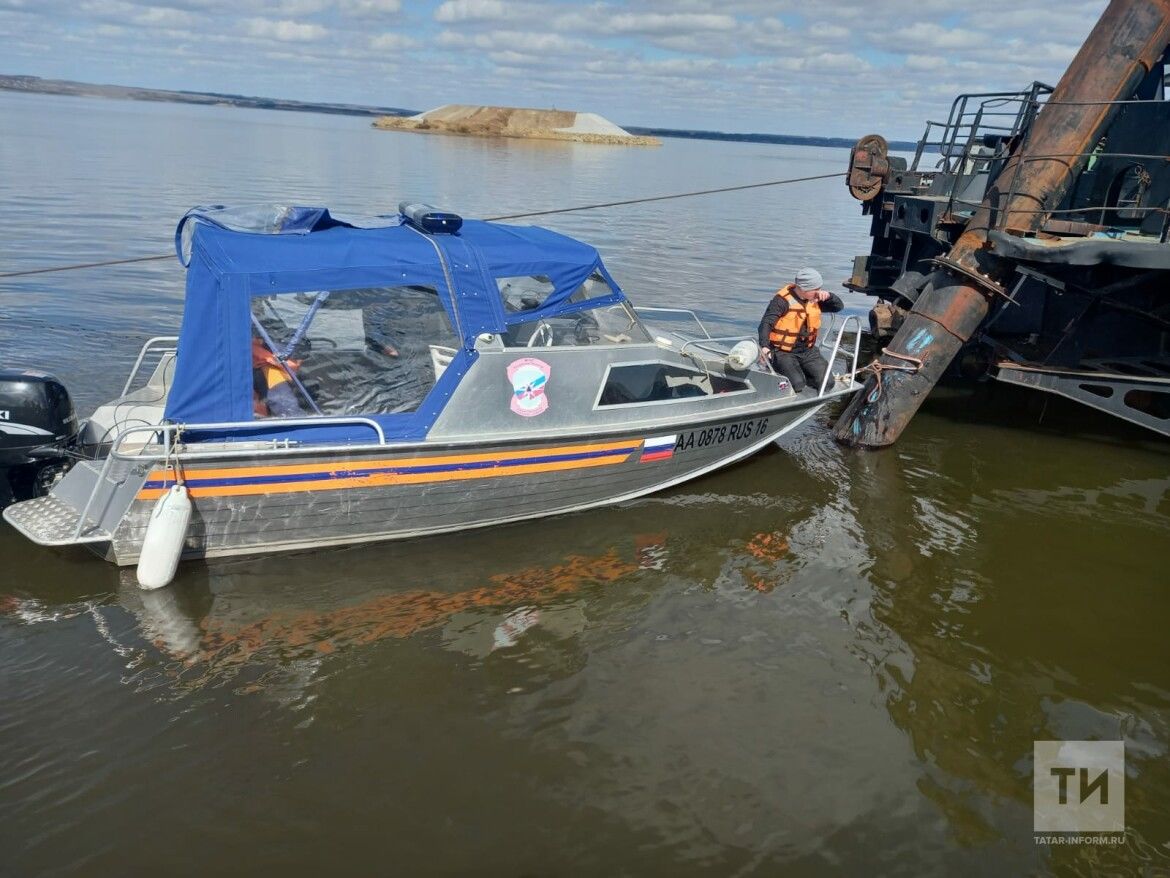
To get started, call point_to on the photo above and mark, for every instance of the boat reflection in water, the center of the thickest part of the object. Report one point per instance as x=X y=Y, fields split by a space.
x=238 y=628
x=228 y=617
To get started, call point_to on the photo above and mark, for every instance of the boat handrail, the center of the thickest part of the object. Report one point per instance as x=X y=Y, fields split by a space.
x=146 y=348
x=709 y=345
x=638 y=309
x=846 y=321
x=838 y=330
x=171 y=431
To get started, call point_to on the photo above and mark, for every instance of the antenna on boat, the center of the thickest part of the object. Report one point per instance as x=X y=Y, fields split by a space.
x=430 y=219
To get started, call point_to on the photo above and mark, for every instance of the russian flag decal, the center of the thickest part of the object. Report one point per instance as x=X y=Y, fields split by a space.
x=658 y=448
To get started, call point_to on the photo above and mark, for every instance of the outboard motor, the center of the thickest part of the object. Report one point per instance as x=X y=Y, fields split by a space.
x=37 y=427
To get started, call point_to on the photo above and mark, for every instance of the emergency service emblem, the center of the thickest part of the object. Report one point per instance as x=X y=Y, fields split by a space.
x=529 y=377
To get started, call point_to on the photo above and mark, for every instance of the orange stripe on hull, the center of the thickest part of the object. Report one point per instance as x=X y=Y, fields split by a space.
x=328 y=482
x=328 y=469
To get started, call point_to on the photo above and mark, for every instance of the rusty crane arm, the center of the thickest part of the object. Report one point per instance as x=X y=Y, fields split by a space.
x=1127 y=41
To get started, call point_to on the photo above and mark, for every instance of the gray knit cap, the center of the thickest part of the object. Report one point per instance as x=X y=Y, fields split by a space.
x=809 y=279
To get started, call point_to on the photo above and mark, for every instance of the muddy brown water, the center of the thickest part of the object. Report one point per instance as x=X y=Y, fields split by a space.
x=818 y=661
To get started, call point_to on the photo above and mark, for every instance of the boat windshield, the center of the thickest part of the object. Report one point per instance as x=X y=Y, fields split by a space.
x=347 y=352
x=601 y=324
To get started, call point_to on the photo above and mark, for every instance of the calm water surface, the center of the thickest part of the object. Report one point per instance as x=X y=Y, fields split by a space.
x=817 y=661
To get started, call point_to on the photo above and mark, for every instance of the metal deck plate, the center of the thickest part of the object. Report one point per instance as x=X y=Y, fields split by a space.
x=51 y=522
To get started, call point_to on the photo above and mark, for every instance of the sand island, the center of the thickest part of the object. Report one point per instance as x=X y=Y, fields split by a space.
x=476 y=121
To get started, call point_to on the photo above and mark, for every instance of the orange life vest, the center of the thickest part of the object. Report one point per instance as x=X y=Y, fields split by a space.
x=785 y=335
x=266 y=361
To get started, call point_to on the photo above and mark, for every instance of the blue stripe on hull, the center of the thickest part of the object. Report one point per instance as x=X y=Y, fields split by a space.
x=324 y=474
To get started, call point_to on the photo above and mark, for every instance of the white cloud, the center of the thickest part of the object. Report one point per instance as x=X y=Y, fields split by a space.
x=271 y=8
x=658 y=23
x=508 y=40
x=925 y=62
x=922 y=33
x=161 y=16
x=371 y=8
x=390 y=42
x=823 y=30
x=478 y=10
x=283 y=30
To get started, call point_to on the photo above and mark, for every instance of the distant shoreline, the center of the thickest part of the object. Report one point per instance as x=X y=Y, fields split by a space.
x=38 y=85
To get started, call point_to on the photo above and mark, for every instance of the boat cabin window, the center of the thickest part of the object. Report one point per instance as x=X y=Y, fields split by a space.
x=660 y=382
x=608 y=324
x=529 y=292
x=524 y=293
x=347 y=352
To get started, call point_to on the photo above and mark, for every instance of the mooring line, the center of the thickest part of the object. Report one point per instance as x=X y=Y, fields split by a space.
x=510 y=216
x=666 y=197
x=87 y=265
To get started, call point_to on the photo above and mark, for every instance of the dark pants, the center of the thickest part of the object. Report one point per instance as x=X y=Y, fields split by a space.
x=803 y=366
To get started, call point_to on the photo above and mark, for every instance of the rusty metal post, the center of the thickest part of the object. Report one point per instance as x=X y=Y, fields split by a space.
x=1126 y=42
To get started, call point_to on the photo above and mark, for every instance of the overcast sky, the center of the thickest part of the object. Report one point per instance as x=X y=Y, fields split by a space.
x=781 y=66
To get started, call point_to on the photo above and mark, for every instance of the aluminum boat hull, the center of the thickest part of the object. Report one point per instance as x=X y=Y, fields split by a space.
x=272 y=503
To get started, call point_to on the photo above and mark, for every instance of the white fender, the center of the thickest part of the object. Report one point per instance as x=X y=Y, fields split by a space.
x=163 y=543
x=744 y=355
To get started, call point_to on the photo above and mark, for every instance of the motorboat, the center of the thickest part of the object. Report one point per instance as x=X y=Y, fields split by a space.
x=341 y=380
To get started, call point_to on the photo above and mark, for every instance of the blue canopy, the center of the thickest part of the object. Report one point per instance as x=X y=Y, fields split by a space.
x=233 y=257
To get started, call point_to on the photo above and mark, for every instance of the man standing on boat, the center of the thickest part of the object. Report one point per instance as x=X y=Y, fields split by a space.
x=790 y=325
